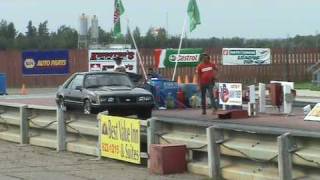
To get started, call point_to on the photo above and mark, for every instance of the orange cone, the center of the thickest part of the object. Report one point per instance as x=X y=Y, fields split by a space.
x=186 y=79
x=23 y=90
x=179 y=80
x=195 y=79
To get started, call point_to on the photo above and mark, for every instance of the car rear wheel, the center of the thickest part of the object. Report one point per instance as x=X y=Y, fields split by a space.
x=144 y=114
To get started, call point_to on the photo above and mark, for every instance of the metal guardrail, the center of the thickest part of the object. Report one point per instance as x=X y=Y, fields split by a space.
x=51 y=127
x=215 y=149
x=227 y=151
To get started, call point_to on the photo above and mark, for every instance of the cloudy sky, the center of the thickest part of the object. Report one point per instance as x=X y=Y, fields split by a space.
x=220 y=18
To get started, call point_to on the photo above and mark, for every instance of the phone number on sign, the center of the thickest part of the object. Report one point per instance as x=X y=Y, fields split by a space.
x=111 y=148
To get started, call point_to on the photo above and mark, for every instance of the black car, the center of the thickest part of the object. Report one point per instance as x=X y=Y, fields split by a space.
x=94 y=92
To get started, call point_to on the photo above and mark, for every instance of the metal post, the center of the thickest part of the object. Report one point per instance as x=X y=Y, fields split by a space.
x=214 y=137
x=287 y=104
x=61 y=130
x=24 y=125
x=151 y=134
x=262 y=97
x=285 y=145
x=252 y=100
x=99 y=136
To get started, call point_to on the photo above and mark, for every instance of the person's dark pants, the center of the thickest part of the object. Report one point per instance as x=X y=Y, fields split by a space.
x=204 y=89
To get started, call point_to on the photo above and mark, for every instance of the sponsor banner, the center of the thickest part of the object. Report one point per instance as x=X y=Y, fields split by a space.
x=45 y=62
x=246 y=56
x=230 y=93
x=314 y=114
x=168 y=57
x=103 y=60
x=120 y=138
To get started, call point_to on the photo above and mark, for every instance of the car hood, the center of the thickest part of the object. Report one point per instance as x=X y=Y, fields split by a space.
x=119 y=90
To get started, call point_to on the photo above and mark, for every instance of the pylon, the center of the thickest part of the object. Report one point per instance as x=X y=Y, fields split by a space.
x=179 y=80
x=23 y=90
x=186 y=79
x=195 y=79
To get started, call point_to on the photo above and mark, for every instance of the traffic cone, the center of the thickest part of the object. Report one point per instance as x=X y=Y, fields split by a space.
x=179 y=80
x=23 y=90
x=186 y=79
x=195 y=79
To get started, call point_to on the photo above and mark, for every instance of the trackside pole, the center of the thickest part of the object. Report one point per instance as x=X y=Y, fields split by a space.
x=138 y=52
x=180 y=45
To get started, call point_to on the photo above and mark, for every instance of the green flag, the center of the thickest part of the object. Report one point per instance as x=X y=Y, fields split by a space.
x=194 y=14
x=118 y=11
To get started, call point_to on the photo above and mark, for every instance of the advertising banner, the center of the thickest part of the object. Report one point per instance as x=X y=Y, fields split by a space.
x=45 y=62
x=120 y=138
x=314 y=114
x=167 y=57
x=246 y=56
x=103 y=60
x=230 y=94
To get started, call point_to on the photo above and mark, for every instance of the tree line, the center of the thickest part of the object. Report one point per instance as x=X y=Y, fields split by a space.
x=65 y=37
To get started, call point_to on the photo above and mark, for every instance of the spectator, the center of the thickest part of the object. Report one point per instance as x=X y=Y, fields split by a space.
x=119 y=67
x=206 y=71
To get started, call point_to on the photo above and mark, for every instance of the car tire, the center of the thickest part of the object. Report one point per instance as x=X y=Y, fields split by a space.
x=61 y=104
x=87 y=109
x=144 y=114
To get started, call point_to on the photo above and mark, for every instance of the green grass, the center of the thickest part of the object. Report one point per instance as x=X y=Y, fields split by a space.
x=306 y=85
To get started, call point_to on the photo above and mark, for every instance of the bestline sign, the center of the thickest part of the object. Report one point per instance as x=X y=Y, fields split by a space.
x=246 y=56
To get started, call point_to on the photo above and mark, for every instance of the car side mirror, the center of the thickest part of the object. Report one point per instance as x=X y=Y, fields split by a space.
x=79 y=88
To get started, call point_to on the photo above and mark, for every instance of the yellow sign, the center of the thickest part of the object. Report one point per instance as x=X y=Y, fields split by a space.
x=120 y=138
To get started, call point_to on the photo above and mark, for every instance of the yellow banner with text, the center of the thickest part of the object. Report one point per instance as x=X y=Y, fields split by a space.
x=120 y=138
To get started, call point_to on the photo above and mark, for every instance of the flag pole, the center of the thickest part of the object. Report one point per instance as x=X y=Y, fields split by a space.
x=135 y=45
x=180 y=45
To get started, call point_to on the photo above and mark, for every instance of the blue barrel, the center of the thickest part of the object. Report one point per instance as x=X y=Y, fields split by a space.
x=3 y=84
x=162 y=89
x=189 y=90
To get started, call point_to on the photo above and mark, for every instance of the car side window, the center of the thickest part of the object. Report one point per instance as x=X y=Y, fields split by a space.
x=77 y=81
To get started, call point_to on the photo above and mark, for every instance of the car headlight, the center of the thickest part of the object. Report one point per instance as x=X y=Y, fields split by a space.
x=144 y=98
x=95 y=99
x=110 y=99
x=106 y=99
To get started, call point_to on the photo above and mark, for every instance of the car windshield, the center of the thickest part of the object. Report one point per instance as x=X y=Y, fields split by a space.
x=98 y=80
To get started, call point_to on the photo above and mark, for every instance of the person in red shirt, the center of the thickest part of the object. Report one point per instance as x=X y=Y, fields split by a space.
x=206 y=71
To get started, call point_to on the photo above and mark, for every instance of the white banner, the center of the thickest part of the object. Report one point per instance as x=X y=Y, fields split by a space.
x=246 y=56
x=314 y=114
x=103 y=60
x=230 y=94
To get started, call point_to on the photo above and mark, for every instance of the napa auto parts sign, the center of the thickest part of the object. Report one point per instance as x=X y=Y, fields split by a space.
x=103 y=60
x=168 y=57
x=246 y=56
x=230 y=94
x=45 y=62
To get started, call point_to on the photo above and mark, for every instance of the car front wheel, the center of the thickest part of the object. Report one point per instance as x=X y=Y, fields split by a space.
x=144 y=114
x=61 y=104
x=87 y=107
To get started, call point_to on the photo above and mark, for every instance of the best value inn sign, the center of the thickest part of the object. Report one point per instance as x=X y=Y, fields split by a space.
x=246 y=56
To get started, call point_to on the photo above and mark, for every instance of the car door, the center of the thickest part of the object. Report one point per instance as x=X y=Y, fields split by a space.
x=74 y=94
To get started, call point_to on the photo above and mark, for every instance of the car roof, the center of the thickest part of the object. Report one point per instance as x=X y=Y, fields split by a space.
x=99 y=72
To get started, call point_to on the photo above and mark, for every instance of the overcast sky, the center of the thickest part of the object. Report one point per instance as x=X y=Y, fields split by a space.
x=220 y=18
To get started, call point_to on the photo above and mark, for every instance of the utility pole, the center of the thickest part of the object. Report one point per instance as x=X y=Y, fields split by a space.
x=288 y=51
